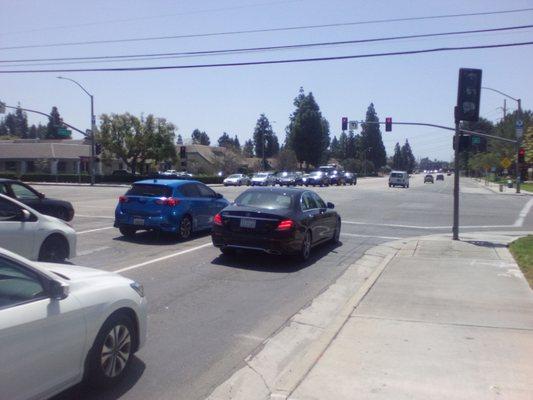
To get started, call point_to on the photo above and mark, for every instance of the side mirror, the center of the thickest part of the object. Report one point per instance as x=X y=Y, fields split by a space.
x=58 y=290
x=218 y=196
x=330 y=205
x=25 y=215
x=41 y=195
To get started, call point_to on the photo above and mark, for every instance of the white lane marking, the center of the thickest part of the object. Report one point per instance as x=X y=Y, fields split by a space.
x=523 y=214
x=428 y=227
x=94 y=230
x=93 y=216
x=179 y=253
x=91 y=251
x=250 y=337
x=371 y=236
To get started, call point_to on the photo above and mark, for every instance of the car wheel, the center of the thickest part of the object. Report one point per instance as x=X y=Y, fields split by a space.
x=112 y=351
x=305 y=251
x=54 y=249
x=390 y=185
x=185 y=228
x=408 y=186
x=337 y=233
x=240 y=183
x=127 y=231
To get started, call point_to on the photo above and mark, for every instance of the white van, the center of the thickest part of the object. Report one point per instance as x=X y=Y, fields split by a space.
x=399 y=178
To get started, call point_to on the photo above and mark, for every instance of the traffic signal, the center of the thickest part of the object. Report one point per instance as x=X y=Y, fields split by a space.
x=465 y=142
x=468 y=95
x=521 y=155
x=97 y=148
x=388 y=124
x=183 y=152
x=344 y=123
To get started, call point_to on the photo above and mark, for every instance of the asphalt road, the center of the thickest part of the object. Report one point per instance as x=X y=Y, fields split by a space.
x=207 y=313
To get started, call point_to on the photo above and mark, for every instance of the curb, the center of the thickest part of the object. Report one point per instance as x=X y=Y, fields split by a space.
x=494 y=189
x=281 y=362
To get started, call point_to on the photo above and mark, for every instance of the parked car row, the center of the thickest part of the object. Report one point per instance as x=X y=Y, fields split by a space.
x=288 y=178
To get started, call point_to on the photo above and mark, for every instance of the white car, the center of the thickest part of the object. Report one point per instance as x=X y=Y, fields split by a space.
x=263 y=179
x=34 y=235
x=60 y=324
x=236 y=180
x=399 y=178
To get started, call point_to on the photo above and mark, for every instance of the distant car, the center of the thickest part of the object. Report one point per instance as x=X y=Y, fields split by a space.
x=180 y=207
x=317 y=178
x=350 y=178
x=276 y=221
x=290 y=179
x=448 y=173
x=336 y=177
x=236 y=180
x=399 y=178
x=27 y=195
x=60 y=324
x=428 y=179
x=440 y=177
x=263 y=179
x=304 y=178
x=121 y=172
x=33 y=235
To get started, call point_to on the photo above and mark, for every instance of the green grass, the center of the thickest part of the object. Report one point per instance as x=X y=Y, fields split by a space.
x=527 y=186
x=522 y=250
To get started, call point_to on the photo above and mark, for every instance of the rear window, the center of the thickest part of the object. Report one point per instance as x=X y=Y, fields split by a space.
x=269 y=200
x=396 y=175
x=150 y=191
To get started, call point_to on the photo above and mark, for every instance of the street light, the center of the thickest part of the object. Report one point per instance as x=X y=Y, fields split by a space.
x=518 y=140
x=93 y=126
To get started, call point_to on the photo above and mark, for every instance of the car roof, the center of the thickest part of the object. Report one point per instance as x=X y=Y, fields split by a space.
x=165 y=182
x=291 y=191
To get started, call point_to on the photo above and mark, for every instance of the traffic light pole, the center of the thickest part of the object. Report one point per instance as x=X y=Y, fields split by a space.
x=93 y=129
x=455 y=228
x=518 y=140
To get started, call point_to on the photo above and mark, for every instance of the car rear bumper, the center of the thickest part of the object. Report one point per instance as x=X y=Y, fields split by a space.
x=161 y=223
x=223 y=238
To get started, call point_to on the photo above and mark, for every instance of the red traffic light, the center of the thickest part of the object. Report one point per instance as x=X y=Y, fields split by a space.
x=521 y=154
x=344 y=123
x=388 y=124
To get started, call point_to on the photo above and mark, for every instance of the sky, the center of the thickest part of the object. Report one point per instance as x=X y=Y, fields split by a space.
x=413 y=88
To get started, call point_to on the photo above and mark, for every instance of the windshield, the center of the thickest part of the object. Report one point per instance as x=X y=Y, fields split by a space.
x=261 y=175
x=234 y=176
x=315 y=173
x=265 y=199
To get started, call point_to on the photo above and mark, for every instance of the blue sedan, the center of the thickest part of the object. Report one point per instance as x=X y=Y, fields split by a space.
x=180 y=207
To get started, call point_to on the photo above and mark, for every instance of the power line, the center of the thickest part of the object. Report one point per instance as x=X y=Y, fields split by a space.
x=290 y=28
x=153 y=17
x=142 y=57
x=269 y=62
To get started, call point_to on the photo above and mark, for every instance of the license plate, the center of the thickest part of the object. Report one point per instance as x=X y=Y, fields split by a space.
x=247 y=223
x=138 y=221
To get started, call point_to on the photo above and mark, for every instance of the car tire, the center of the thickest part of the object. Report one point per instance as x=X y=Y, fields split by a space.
x=337 y=234
x=305 y=251
x=185 y=228
x=128 y=232
x=55 y=248
x=240 y=183
x=108 y=362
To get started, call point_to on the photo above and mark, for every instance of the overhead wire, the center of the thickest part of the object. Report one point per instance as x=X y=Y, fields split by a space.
x=270 y=62
x=279 y=29
x=147 y=56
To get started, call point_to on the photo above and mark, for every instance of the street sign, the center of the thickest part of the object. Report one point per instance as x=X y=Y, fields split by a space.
x=353 y=125
x=476 y=139
x=519 y=128
x=64 y=132
x=2 y=108
x=505 y=163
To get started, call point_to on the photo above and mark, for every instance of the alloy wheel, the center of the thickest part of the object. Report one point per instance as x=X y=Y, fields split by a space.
x=116 y=351
x=185 y=228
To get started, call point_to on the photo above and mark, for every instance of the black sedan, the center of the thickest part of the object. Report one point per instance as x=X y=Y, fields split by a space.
x=276 y=221
x=37 y=200
x=428 y=178
x=350 y=178
x=337 y=178
x=319 y=178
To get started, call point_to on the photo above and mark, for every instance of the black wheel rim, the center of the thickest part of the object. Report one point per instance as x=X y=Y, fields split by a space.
x=185 y=228
x=306 y=246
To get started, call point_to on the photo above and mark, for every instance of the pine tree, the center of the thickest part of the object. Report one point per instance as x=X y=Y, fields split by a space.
x=54 y=123
x=199 y=137
x=308 y=131
x=408 y=159
x=265 y=138
x=343 y=146
x=21 y=123
x=236 y=143
x=334 y=148
x=372 y=140
x=248 y=149
x=225 y=140
x=397 y=161
x=179 y=141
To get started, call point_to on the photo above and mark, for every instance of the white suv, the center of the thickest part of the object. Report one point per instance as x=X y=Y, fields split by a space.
x=34 y=235
x=399 y=178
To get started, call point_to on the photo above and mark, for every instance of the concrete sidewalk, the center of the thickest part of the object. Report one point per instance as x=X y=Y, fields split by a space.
x=421 y=318
x=495 y=187
x=445 y=320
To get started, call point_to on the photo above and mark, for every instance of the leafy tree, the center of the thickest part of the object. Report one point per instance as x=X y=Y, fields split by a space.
x=352 y=165
x=199 y=137
x=264 y=138
x=372 y=141
x=528 y=145
x=228 y=161
x=54 y=123
x=134 y=140
x=308 y=131
x=248 y=149
x=287 y=160
x=397 y=160
x=408 y=159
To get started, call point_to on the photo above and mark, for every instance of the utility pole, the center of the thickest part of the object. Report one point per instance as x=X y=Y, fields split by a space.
x=455 y=229
x=504 y=108
x=518 y=143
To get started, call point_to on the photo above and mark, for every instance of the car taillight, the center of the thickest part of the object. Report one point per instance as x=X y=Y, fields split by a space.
x=217 y=220
x=123 y=199
x=285 y=225
x=168 y=201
